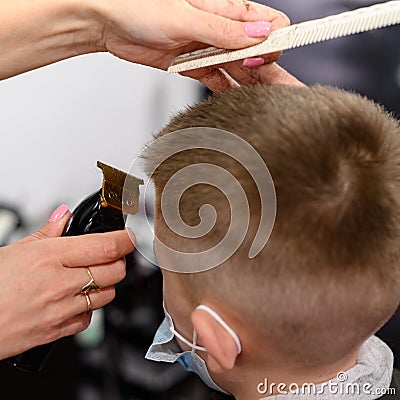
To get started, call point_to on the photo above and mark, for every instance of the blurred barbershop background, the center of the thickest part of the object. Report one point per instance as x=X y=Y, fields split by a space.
x=58 y=121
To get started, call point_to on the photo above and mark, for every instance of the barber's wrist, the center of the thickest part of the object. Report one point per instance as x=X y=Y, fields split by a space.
x=35 y=34
x=100 y=13
x=86 y=22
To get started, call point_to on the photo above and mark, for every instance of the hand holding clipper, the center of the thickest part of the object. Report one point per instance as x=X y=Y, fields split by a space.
x=100 y=212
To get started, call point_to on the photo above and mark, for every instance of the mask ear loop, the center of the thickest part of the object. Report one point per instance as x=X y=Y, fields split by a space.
x=184 y=340
x=195 y=341
x=235 y=337
x=179 y=336
x=193 y=345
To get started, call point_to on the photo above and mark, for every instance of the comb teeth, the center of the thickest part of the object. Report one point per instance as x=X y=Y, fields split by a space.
x=309 y=32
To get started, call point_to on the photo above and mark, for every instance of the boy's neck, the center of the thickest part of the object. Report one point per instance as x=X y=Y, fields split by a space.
x=258 y=387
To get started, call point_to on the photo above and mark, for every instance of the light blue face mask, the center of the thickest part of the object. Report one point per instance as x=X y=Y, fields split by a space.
x=165 y=347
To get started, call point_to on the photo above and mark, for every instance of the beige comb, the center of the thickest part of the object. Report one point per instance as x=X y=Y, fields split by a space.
x=308 y=32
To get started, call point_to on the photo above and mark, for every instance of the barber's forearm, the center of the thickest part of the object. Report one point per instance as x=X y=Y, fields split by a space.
x=34 y=33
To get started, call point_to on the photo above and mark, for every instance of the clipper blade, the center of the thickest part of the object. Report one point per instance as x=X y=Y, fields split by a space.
x=119 y=189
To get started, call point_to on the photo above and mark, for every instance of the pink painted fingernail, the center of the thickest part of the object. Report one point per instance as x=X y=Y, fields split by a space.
x=59 y=213
x=257 y=29
x=253 y=62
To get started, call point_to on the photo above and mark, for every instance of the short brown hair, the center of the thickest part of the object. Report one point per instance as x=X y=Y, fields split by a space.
x=329 y=276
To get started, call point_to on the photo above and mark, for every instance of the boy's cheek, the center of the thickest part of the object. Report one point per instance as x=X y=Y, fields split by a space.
x=176 y=302
x=169 y=291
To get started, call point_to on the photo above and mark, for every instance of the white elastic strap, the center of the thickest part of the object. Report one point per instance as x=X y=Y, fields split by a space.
x=195 y=341
x=223 y=324
x=192 y=345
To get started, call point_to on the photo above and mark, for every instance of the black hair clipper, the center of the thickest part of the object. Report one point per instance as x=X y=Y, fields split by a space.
x=102 y=211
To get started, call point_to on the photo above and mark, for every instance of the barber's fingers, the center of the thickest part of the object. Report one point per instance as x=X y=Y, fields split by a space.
x=217 y=81
x=242 y=10
x=105 y=275
x=99 y=299
x=74 y=315
x=224 y=76
x=91 y=249
x=52 y=228
x=272 y=74
x=77 y=310
x=79 y=318
x=214 y=79
x=223 y=32
x=112 y=246
x=76 y=324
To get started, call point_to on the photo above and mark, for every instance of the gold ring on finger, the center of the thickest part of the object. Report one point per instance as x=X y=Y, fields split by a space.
x=89 y=303
x=91 y=285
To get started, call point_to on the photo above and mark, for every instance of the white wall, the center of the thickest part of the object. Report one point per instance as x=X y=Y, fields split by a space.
x=57 y=121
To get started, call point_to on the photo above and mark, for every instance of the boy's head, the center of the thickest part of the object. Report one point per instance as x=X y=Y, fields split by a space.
x=328 y=276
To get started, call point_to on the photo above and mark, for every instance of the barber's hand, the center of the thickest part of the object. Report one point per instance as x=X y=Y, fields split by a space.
x=154 y=32
x=41 y=277
x=230 y=75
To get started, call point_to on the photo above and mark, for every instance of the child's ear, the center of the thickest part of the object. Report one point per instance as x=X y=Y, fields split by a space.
x=221 y=348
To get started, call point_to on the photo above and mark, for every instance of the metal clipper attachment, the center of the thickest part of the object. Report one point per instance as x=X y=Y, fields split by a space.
x=114 y=183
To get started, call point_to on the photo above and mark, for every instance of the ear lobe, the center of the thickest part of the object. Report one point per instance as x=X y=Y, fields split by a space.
x=221 y=348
